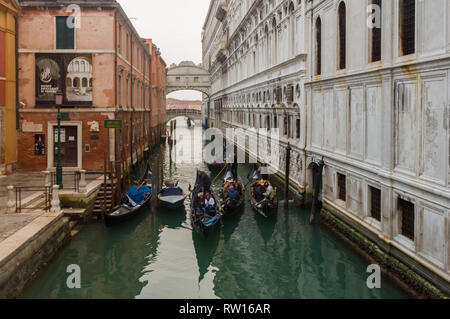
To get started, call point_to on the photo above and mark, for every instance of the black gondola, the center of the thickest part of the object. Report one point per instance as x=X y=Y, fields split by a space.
x=202 y=222
x=232 y=206
x=128 y=209
x=263 y=206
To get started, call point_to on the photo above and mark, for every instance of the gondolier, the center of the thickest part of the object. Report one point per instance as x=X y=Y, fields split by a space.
x=203 y=182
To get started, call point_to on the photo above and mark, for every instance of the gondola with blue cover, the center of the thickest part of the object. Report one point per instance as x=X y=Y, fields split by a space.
x=171 y=196
x=133 y=202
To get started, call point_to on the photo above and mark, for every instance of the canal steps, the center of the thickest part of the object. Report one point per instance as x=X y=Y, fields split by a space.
x=100 y=201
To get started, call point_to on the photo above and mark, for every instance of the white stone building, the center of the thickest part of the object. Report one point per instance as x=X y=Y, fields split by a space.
x=257 y=65
x=363 y=84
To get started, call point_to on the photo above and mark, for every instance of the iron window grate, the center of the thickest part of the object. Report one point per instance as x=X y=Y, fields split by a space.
x=342 y=36
x=407 y=214
x=342 y=187
x=376 y=36
x=319 y=46
x=375 y=203
x=408 y=26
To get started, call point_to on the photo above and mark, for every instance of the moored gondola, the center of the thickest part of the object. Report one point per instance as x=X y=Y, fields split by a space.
x=204 y=219
x=263 y=203
x=232 y=200
x=133 y=202
x=171 y=196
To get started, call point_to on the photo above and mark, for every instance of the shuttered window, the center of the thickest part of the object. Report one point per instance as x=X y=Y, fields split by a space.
x=65 y=35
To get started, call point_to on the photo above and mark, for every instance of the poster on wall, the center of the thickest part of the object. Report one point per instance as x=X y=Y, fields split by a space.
x=39 y=144
x=70 y=74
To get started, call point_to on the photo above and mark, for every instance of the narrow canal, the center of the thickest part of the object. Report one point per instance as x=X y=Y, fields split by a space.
x=157 y=255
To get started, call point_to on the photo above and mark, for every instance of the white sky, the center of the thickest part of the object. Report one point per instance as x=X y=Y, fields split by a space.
x=175 y=27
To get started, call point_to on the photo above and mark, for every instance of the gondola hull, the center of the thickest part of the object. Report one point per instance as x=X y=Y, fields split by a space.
x=123 y=213
x=265 y=208
x=172 y=202
x=233 y=207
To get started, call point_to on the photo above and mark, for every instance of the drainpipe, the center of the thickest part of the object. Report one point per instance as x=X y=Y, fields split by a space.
x=132 y=100
x=115 y=83
x=16 y=44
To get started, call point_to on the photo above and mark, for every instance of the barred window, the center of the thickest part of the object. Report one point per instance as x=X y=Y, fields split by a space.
x=342 y=35
x=342 y=187
x=376 y=35
x=318 y=46
x=407 y=26
x=406 y=210
x=375 y=203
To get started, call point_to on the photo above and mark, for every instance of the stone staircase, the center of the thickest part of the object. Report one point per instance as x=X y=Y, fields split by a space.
x=100 y=201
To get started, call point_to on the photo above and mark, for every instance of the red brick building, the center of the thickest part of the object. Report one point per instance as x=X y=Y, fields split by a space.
x=89 y=51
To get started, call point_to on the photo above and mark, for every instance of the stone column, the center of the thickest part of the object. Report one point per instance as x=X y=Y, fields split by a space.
x=48 y=182
x=83 y=184
x=56 y=204
x=11 y=204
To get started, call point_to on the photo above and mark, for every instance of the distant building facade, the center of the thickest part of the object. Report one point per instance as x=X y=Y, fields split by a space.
x=8 y=88
x=91 y=53
x=175 y=104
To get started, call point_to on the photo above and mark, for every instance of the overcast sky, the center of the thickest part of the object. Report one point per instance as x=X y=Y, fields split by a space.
x=175 y=27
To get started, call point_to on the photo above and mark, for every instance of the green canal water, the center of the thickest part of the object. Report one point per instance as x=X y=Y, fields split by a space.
x=157 y=255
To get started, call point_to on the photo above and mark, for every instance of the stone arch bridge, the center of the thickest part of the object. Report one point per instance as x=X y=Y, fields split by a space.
x=194 y=115
x=188 y=76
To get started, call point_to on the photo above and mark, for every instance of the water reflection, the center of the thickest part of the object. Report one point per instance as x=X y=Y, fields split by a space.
x=157 y=255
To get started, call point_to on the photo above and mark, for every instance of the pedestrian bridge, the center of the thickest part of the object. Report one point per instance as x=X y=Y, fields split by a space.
x=189 y=113
x=188 y=76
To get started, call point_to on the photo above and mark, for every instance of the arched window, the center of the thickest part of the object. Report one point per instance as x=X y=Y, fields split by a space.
x=342 y=35
x=318 y=46
x=407 y=29
x=76 y=82
x=84 y=82
x=69 y=82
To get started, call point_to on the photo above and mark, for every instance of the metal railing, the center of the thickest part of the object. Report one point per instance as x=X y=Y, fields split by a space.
x=47 y=198
x=76 y=177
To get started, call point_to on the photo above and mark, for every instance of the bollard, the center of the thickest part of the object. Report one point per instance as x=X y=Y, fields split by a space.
x=83 y=184
x=288 y=167
x=11 y=204
x=56 y=204
x=48 y=177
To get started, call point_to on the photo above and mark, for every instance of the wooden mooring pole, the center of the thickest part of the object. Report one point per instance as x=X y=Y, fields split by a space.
x=288 y=168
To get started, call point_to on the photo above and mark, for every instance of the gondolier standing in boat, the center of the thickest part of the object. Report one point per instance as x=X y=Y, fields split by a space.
x=203 y=181
x=234 y=167
x=264 y=171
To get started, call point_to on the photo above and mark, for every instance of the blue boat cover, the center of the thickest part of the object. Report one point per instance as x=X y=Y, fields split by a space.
x=210 y=222
x=138 y=195
x=171 y=191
